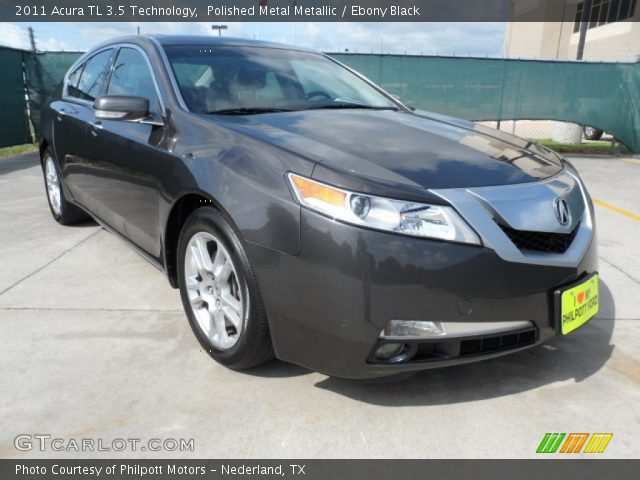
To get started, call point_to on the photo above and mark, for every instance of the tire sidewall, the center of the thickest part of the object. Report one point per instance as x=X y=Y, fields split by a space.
x=207 y=219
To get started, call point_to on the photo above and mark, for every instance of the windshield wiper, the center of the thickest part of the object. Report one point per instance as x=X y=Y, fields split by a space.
x=328 y=106
x=247 y=111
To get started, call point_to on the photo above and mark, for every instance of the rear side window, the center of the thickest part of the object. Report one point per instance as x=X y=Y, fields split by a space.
x=131 y=77
x=72 y=82
x=93 y=77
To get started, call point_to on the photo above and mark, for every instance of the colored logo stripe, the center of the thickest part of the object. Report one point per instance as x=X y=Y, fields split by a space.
x=550 y=443
x=598 y=442
x=574 y=442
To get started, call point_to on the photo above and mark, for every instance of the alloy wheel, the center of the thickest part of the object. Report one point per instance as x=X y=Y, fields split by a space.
x=53 y=185
x=214 y=293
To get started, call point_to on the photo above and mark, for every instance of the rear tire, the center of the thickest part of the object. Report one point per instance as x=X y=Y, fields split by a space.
x=592 y=133
x=63 y=212
x=220 y=293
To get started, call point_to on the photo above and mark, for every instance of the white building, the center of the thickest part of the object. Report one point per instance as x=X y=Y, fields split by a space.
x=613 y=32
x=613 y=35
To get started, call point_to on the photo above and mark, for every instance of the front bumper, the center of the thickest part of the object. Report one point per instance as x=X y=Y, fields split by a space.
x=328 y=305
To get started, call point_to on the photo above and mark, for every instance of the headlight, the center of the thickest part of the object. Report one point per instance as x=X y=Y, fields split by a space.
x=416 y=219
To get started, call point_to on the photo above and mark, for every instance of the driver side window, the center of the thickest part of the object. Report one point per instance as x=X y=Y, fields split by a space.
x=93 y=77
x=131 y=77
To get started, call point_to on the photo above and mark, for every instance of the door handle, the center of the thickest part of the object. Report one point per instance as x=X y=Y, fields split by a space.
x=61 y=113
x=96 y=126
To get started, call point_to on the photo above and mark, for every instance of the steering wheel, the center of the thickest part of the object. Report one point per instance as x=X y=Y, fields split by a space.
x=317 y=93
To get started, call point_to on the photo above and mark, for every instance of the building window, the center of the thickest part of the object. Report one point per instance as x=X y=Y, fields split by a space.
x=605 y=11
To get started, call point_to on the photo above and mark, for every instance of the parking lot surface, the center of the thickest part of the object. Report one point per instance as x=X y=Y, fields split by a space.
x=94 y=344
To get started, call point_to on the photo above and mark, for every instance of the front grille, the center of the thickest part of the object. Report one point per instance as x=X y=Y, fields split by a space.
x=441 y=350
x=540 y=241
x=497 y=343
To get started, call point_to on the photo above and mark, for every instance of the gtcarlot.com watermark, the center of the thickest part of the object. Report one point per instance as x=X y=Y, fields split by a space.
x=43 y=442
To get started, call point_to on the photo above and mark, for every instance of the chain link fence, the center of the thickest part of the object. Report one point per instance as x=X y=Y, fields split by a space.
x=558 y=133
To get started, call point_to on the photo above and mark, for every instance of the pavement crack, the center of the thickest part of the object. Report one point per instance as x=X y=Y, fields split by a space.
x=50 y=262
x=615 y=267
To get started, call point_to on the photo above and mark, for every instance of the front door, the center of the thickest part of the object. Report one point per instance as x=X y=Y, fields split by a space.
x=130 y=157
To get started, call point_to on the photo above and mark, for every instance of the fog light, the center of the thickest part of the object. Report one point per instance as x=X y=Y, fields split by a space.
x=402 y=329
x=411 y=328
x=389 y=350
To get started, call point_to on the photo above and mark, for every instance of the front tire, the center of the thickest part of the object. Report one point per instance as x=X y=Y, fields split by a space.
x=63 y=212
x=220 y=293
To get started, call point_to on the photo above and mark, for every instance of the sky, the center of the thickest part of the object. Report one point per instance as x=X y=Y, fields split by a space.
x=461 y=39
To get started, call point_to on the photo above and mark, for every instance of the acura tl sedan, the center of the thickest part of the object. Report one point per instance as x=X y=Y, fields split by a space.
x=304 y=213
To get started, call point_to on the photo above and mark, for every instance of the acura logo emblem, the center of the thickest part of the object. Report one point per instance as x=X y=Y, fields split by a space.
x=562 y=211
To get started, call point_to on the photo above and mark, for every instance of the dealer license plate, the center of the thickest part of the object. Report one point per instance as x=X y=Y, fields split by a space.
x=578 y=304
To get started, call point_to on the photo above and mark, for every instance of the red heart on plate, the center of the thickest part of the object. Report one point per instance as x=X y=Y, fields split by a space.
x=580 y=297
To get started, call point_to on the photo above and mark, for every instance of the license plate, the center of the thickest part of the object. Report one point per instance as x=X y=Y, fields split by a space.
x=578 y=304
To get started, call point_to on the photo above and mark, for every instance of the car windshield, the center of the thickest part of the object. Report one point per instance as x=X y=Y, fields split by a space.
x=252 y=80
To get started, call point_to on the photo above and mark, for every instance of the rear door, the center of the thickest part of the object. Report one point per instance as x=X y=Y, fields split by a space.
x=67 y=128
x=72 y=116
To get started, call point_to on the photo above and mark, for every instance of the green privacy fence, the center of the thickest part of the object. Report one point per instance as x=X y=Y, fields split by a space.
x=14 y=128
x=603 y=95
x=42 y=74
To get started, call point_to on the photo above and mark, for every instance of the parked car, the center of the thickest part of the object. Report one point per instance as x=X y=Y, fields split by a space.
x=305 y=213
x=592 y=133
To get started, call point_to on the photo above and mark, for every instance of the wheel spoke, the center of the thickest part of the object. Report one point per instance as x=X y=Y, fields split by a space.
x=232 y=309
x=191 y=282
x=201 y=255
x=196 y=300
x=206 y=322
x=224 y=271
x=219 y=261
x=220 y=328
x=233 y=317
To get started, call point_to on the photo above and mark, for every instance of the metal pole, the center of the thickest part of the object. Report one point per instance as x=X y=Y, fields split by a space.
x=38 y=67
x=584 y=26
x=39 y=80
x=219 y=28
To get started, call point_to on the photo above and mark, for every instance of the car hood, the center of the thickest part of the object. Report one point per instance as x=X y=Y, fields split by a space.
x=416 y=149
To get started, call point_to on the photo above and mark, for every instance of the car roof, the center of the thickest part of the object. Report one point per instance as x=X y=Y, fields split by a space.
x=219 y=41
x=198 y=40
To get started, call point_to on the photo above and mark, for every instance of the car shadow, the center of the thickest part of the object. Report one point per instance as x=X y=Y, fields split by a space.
x=89 y=222
x=277 y=369
x=577 y=357
x=19 y=162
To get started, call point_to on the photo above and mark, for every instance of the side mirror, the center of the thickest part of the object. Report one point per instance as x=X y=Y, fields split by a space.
x=116 y=107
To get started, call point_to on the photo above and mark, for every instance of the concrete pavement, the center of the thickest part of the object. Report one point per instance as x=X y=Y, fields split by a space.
x=94 y=344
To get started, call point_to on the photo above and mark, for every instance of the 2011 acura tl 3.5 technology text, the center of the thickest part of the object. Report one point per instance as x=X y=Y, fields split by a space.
x=305 y=213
